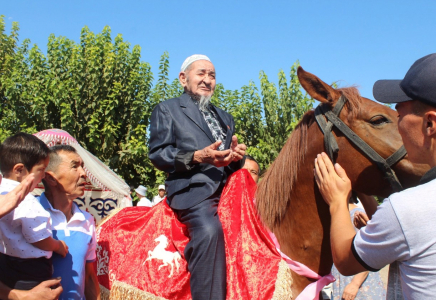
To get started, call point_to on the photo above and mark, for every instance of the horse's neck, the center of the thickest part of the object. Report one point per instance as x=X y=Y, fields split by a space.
x=304 y=233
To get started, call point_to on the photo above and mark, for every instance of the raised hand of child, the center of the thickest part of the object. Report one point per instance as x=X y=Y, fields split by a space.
x=12 y=199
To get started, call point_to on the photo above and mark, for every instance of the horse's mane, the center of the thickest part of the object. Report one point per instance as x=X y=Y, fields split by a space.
x=274 y=190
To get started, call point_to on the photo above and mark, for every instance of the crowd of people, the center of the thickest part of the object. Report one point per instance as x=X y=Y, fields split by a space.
x=141 y=192
x=193 y=141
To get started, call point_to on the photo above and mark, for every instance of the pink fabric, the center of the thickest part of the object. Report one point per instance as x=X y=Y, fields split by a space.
x=97 y=172
x=311 y=292
x=59 y=133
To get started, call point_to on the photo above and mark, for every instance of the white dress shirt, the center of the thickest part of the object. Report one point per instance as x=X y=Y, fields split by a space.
x=26 y=224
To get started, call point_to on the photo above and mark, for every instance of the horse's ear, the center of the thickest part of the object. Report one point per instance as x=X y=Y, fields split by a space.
x=317 y=88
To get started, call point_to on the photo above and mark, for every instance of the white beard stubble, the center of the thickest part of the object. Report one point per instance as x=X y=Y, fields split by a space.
x=203 y=102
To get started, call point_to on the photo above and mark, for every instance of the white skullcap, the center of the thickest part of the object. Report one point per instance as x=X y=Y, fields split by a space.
x=191 y=59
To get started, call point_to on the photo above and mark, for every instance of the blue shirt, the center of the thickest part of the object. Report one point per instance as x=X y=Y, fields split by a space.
x=79 y=235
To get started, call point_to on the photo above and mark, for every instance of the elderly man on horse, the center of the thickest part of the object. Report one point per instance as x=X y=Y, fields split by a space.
x=194 y=142
x=403 y=229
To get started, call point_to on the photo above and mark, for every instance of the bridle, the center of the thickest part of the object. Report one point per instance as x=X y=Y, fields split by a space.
x=332 y=148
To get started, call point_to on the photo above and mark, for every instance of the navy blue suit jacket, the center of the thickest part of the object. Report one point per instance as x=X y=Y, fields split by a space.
x=177 y=130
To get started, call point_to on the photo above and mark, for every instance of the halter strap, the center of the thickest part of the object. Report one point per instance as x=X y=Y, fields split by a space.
x=330 y=143
x=332 y=148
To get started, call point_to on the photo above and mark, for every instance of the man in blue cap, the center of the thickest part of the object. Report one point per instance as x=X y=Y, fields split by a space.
x=403 y=229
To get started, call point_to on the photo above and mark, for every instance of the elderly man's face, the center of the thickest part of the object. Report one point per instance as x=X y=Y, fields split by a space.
x=70 y=174
x=199 y=79
x=161 y=193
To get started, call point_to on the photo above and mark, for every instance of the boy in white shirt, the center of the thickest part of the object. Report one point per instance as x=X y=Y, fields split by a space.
x=26 y=242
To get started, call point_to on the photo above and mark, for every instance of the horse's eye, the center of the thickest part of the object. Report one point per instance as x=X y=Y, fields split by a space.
x=378 y=120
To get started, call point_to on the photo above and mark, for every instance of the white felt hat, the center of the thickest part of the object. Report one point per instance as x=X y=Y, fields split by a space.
x=142 y=190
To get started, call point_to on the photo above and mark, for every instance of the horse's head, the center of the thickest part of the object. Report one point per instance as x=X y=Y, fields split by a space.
x=287 y=198
x=162 y=239
x=375 y=124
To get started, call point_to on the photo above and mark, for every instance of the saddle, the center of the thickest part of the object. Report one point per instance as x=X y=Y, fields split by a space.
x=140 y=251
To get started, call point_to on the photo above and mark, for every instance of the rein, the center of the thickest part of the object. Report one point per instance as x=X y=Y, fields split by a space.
x=332 y=147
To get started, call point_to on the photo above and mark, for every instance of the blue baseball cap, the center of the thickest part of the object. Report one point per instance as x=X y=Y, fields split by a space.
x=418 y=84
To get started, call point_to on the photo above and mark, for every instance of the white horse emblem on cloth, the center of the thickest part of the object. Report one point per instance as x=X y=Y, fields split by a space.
x=167 y=257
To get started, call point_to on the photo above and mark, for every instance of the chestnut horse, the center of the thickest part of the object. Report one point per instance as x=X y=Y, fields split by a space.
x=288 y=200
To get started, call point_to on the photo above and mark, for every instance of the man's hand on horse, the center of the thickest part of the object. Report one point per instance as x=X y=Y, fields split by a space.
x=212 y=156
x=238 y=150
x=332 y=181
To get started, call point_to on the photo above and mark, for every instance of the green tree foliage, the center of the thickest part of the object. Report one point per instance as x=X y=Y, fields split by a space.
x=98 y=90
x=101 y=92
x=264 y=121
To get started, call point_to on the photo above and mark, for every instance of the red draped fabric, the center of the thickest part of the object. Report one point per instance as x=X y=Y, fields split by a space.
x=129 y=237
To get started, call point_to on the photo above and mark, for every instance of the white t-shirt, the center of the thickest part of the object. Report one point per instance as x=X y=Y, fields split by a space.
x=144 y=202
x=157 y=199
x=26 y=224
x=403 y=229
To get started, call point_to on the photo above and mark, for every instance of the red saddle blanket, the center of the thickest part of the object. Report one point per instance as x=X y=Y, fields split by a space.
x=140 y=251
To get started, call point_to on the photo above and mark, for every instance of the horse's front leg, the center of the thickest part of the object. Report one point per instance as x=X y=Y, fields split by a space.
x=176 y=260
x=150 y=256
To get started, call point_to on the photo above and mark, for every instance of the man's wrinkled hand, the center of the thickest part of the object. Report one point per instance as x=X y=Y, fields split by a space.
x=211 y=155
x=238 y=150
x=332 y=181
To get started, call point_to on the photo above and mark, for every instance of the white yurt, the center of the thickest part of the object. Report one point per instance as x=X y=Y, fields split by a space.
x=105 y=192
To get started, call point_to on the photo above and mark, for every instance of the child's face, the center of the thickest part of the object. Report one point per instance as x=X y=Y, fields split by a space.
x=39 y=171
